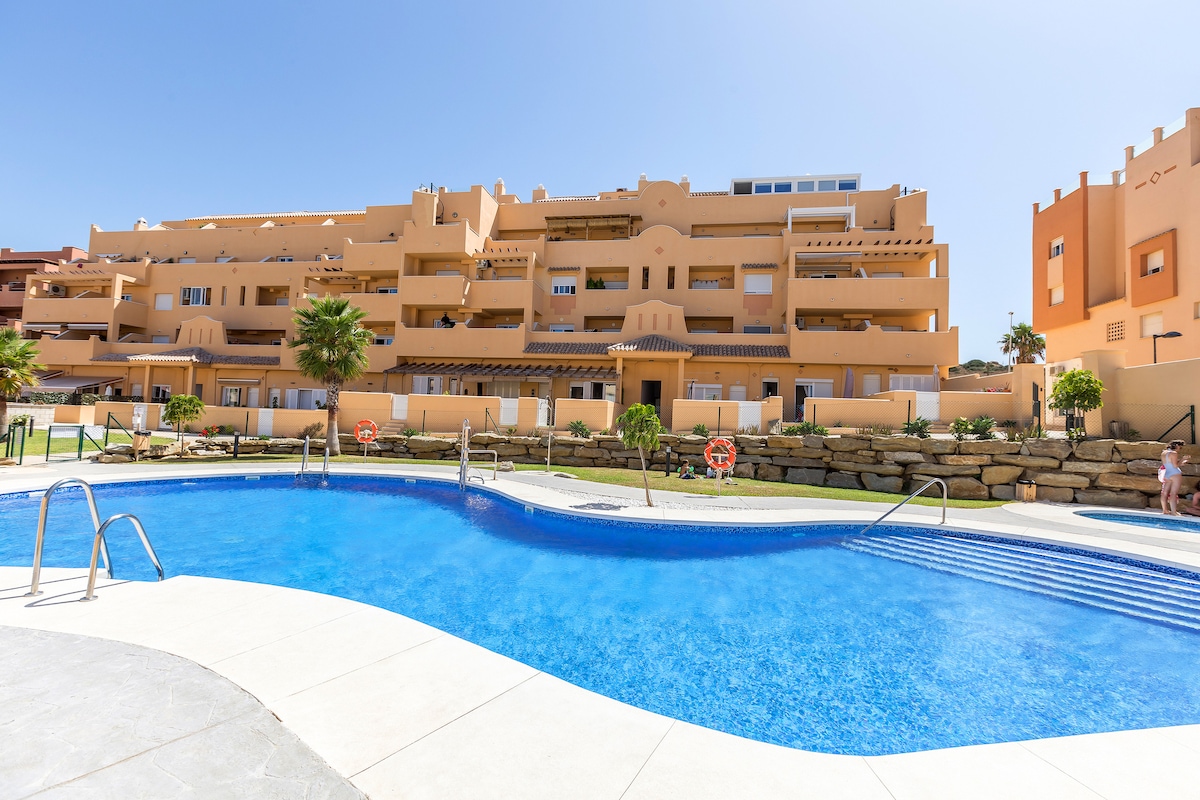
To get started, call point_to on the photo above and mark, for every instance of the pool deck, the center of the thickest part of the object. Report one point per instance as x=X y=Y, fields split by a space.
x=405 y=710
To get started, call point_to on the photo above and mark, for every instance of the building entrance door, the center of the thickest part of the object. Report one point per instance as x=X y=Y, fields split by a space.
x=801 y=396
x=652 y=394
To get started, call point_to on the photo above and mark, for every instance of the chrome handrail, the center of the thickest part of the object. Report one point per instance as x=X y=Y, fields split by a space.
x=101 y=542
x=304 y=458
x=325 y=466
x=927 y=484
x=463 y=453
x=41 y=531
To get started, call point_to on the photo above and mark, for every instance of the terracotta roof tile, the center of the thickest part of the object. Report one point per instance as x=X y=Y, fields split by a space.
x=196 y=355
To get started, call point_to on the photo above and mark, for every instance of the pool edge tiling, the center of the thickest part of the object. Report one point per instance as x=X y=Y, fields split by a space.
x=500 y=728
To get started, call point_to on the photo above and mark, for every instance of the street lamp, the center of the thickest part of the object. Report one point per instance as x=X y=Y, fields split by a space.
x=1168 y=335
x=1011 y=336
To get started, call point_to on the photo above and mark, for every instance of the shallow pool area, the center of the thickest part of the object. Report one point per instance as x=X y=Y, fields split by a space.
x=814 y=638
x=1148 y=520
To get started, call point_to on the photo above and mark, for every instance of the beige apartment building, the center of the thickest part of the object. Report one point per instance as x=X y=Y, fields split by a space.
x=1116 y=263
x=801 y=286
x=16 y=266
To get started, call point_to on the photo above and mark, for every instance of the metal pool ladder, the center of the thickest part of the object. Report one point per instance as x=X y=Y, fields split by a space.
x=464 y=459
x=99 y=545
x=304 y=462
x=926 y=485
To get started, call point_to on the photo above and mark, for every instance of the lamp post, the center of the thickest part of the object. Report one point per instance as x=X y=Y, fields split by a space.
x=1168 y=335
x=1010 y=340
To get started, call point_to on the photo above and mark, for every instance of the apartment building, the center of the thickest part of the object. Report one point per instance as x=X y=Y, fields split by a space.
x=16 y=267
x=795 y=286
x=1116 y=262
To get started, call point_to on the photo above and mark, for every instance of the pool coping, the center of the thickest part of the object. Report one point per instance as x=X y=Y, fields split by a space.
x=440 y=717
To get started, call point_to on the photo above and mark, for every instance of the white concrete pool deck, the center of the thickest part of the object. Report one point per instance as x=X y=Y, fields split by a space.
x=405 y=710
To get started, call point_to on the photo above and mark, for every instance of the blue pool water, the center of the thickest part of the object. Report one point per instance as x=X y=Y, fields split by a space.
x=799 y=636
x=1187 y=524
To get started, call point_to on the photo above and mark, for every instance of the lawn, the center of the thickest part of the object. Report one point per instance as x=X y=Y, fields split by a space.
x=35 y=445
x=626 y=477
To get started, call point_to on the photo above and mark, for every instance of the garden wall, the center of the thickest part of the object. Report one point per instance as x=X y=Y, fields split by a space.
x=1101 y=472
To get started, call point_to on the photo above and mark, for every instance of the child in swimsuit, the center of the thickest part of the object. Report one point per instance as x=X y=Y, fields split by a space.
x=1172 y=477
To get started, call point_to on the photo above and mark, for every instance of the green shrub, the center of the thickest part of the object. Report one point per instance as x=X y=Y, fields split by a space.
x=579 y=428
x=1077 y=434
x=700 y=429
x=313 y=431
x=960 y=428
x=918 y=427
x=981 y=427
x=804 y=428
x=411 y=432
x=1132 y=435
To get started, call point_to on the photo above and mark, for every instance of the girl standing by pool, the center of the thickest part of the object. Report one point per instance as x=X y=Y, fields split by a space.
x=1172 y=477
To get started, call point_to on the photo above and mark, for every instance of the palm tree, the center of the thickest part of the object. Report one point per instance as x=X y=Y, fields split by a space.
x=17 y=369
x=335 y=351
x=1028 y=345
x=640 y=427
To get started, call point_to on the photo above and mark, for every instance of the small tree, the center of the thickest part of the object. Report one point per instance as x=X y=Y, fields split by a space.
x=334 y=351
x=17 y=364
x=1076 y=392
x=639 y=427
x=182 y=409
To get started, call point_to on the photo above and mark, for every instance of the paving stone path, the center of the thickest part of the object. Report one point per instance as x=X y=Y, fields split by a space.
x=91 y=718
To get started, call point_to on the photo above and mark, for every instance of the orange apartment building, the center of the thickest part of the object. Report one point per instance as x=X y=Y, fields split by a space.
x=1117 y=263
x=16 y=267
x=803 y=286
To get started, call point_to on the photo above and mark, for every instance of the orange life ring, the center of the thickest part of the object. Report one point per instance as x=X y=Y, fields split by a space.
x=722 y=461
x=366 y=431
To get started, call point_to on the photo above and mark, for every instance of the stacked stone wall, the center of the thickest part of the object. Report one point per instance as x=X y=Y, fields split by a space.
x=1100 y=472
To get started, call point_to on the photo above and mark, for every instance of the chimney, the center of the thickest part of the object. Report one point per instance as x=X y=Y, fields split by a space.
x=540 y=193
x=685 y=184
x=498 y=190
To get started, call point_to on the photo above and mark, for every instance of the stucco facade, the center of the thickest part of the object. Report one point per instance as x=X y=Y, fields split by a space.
x=1116 y=263
x=796 y=287
x=16 y=267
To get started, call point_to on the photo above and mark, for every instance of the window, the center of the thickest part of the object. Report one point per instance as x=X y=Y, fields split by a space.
x=187 y=260
x=741 y=187
x=286 y=258
x=160 y=393
x=160 y=340
x=427 y=384
x=645 y=277
x=385 y=340
x=783 y=188
x=1115 y=331
x=562 y=286
x=827 y=186
x=163 y=302
x=1056 y=247
x=850 y=185
x=386 y=290
x=231 y=396
x=756 y=284
x=805 y=186
x=194 y=296
x=762 y=188
x=756 y=329
x=567 y=328
x=704 y=391
x=1056 y=295
x=448 y=273
x=1152 y=324
x=128 y=298
x=670 y=277
x=224 y=294
x=507 y=326
x=1154 y=263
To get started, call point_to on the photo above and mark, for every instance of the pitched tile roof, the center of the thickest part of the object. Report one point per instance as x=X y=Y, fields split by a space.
x=653 y=344
x=196 y=355
x=658 y=344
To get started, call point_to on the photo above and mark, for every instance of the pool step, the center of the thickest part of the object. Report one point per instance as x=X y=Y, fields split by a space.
x=1135 y=591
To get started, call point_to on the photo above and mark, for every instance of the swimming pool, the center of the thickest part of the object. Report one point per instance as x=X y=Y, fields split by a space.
x=1162 y=521
x=808 y=637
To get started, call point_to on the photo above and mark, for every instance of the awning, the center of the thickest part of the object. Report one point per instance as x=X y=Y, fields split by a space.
x=73 y=383
x=253 y=381
x=505 y=371
x=87 y=326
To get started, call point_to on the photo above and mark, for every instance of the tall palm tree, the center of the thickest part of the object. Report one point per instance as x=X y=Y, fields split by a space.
x=17 y=365
x=640 y=427
x=334 y=351
x=1028 y=345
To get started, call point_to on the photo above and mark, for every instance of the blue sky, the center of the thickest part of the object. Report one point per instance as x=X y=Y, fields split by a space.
x=112 y=111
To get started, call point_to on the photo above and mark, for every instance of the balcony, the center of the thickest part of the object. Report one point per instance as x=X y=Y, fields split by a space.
x=875 y=346
x=248 y=318
x=489 y=294
x=90 y=311
x=379 y=307
x=434 y=291
x=461 y=341
x=905 y=295
x=12 y=295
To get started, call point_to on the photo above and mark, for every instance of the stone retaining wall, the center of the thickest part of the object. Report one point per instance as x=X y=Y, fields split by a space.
x=1100 y=472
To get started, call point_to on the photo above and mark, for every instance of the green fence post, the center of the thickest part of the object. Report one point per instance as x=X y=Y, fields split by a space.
x=909 y=414
x=1193 y=408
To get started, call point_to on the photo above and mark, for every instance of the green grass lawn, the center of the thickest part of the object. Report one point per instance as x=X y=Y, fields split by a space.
x=627 y=477
x=35 y=445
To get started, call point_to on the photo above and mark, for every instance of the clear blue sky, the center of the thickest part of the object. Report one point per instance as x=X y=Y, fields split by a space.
x=112 y=111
